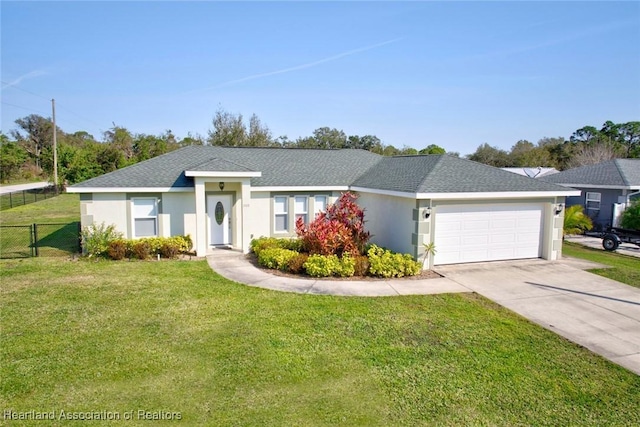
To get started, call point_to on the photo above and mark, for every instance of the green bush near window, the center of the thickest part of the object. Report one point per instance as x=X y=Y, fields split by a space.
x=631 y=216
x=167 y=247
x=96 y=239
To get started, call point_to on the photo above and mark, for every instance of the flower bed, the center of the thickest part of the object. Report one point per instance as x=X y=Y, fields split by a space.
x=287 y=255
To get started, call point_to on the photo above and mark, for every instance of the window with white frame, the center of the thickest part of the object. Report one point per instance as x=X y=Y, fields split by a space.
x=145 y=217
x=592 y=201
x=281 y=211
x=320 y=204
x=301 y=208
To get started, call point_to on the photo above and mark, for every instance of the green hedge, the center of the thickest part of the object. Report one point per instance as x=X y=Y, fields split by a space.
x=384 y=263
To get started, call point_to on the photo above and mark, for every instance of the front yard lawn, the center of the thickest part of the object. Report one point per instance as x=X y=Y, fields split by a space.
x=624 y=268
x=173 y=336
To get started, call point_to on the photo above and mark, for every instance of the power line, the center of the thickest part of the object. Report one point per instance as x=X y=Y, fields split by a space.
x=24 y=90
x=44 y=97
x=24 y=108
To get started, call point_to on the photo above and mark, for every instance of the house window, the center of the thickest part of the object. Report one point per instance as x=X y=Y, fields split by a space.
x=320 y=204
x=301 y=210
x=593 y=201
x=281 y=210
x=145 y=217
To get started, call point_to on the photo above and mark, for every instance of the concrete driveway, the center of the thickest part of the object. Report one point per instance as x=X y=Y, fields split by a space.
x=600 y=314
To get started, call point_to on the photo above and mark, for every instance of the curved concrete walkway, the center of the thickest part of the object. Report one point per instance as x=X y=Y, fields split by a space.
x=234 y=266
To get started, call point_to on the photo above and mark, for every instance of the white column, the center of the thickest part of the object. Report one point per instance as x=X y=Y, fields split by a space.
x=201 y=243
x=245 y=236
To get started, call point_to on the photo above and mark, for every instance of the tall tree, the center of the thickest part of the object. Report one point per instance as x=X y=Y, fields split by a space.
x=629 y=134
x=259 y=134
x=38 y=134
x=122 y=140
x=432 y=149
x=228 y=130
x=490 y=155
x=12 y=157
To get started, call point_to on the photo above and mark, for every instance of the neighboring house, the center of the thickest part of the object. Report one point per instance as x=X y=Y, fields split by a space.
x=606 y=188
x=532 y=172
x=226 y=196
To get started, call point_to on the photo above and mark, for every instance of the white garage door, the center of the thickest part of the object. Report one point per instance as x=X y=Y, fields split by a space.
x=473 y=233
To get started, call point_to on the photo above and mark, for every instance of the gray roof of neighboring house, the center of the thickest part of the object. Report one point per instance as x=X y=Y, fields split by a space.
x=622 y=173
x=297 y=167
x=444 y=174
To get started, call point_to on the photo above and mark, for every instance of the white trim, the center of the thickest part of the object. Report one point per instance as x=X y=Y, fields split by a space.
x=130 y=189
x=210 y=174
x=154 y=217
x=306 y=189
x=471 y=195
x=607 y=187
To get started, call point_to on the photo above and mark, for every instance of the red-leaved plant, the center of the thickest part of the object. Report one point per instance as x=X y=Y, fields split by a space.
x=337 y=231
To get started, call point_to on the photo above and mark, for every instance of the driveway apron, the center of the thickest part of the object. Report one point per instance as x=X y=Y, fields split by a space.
x=598 y=313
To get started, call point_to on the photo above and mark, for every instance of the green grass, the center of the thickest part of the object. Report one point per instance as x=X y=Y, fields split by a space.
x=64 y=208
x=53 y=240
x=174 y=336
x=624 y=268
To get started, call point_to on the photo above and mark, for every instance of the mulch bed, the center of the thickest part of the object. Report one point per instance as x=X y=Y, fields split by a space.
x=424 y=274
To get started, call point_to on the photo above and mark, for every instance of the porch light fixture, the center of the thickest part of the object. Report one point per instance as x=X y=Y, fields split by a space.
x=221 y=185
x=559 y=208
x=427 y=213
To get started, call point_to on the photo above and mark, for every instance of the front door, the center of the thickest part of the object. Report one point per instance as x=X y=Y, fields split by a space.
x=219 y=213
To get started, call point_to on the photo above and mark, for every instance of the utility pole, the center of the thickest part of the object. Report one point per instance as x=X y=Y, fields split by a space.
x=55 y=145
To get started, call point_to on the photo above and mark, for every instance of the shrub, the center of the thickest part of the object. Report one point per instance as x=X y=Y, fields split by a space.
x=262 y=243
x=141 y=249
x=575 y=220
x=277 y=258
x=346 y=267
x=631 y=216
x=296 y=264
x=170 y=249
x=337 y=231
x=361 y=265
x=384 y=263
x=96 y=239
x=322 y=265
x=330 y=265
x=117 y=249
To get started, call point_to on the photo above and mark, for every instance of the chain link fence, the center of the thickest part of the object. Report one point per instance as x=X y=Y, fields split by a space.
x=24 y=197
x=23 y=241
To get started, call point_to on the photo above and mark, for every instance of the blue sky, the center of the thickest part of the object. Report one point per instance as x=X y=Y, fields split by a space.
x=456 y=74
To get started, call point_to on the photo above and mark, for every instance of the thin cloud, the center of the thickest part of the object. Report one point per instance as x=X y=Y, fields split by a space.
x=553 y=42
x=303 y=66
x=29 y=75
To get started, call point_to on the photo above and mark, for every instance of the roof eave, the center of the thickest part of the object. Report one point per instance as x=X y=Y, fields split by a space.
x=222 y=174
x=84 y=190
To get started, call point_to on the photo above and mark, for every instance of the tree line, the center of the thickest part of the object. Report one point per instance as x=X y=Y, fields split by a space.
x=27 y=152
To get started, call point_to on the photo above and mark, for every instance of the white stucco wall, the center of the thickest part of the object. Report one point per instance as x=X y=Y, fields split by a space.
x=110 y=208
x=179 y=213
x=390 y=221
x=260 y=211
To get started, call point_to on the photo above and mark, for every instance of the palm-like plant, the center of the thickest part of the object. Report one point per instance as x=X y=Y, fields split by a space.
x=575 y=220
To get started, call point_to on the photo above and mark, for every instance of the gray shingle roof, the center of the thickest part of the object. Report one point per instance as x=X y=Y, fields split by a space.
x=316 y=167
x=279 y=167
x=615 y=173
x=445 y=174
